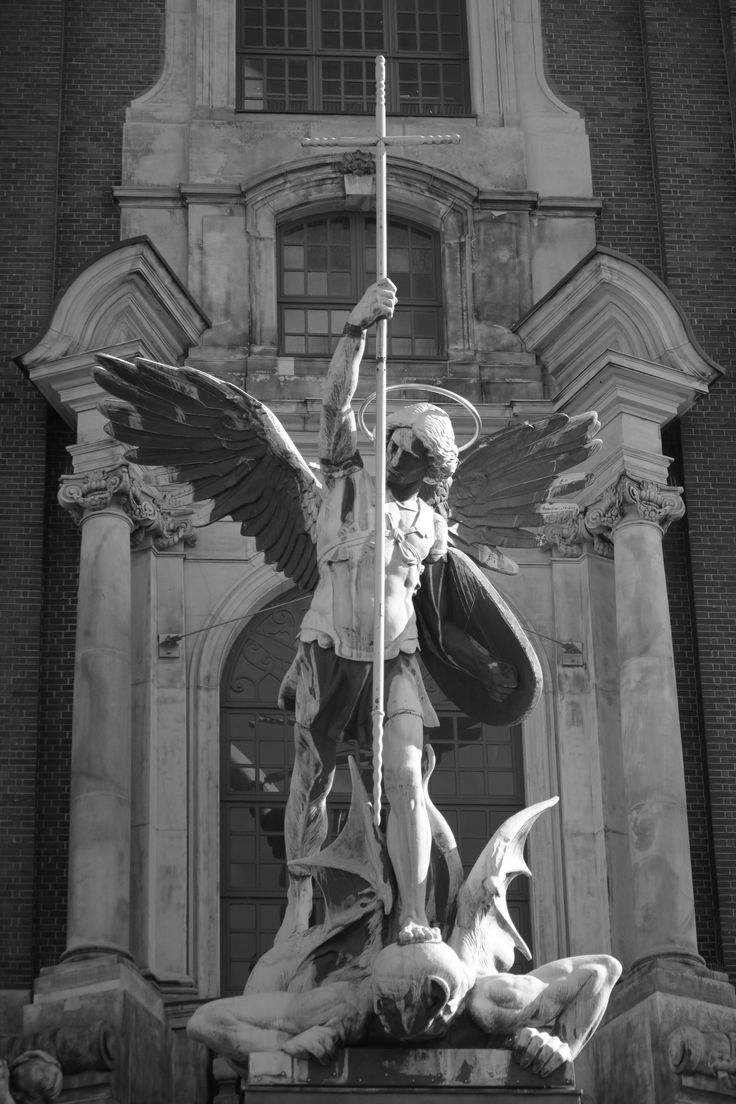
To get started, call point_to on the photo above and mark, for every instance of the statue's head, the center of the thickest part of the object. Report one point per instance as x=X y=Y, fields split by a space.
x=420 y=445
x=418 y=989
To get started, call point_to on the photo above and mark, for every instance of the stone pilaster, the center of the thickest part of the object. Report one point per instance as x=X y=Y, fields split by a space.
x=634 y=514
x=109 y=505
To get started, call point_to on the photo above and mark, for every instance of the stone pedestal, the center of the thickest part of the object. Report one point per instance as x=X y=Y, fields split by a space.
x=107 y=990
x=400 y=1076
x=641 y=1055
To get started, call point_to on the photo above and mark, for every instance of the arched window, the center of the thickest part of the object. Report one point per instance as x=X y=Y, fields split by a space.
x=325 y=264
x=477 y=784
x=318 y=55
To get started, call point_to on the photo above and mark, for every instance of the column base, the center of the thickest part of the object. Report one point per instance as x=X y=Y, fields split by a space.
x=634 y=1054
x=439 y=1075
x=110 y=1030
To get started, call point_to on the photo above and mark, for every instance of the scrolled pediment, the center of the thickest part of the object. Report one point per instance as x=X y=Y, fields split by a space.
x=127 y=301
x=611 y=304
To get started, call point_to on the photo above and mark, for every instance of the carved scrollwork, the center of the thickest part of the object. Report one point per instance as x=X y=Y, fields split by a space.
x=150 y=514
x=707 y=1059
x=566 y=538
x=94 y=491
x=630 y=498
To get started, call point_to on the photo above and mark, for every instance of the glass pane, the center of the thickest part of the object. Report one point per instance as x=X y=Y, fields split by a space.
x=293 y=283
x=316 y=283
x=293 y=256
x=317 y=322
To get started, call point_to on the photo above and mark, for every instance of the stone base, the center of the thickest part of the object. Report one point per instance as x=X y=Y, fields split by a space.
x=143 y=1051
x=634 y=1056
x=440 y=1075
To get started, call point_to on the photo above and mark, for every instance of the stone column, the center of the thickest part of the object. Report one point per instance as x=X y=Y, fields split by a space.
x=99 y=841
x=635 y=514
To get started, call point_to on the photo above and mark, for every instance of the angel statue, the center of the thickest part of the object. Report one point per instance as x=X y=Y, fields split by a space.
x=437 y=598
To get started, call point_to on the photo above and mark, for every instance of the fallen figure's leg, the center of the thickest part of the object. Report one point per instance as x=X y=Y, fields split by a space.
x=552 y=1011
x=299 y=1024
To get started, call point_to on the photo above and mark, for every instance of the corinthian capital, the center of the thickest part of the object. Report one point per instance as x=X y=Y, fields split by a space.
x=91 y=492
x=629 y=499
x=148 y=511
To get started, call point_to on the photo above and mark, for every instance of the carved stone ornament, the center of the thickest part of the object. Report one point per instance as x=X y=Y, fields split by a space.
x=570 y=539
x=628 y=499
x=147 y=508
x=357 y=163
x=705 y=1060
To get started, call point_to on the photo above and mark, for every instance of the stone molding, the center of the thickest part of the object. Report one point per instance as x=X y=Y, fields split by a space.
x=706 y=1061
x=628 y=499
x=149 y=514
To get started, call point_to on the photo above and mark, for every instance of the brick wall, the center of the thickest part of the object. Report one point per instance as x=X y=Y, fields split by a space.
x=29 y=88
x=69 y=70
x=651 y=78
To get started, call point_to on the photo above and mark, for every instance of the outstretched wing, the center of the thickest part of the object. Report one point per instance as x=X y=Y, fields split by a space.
x=228 y=445
x=505 y=486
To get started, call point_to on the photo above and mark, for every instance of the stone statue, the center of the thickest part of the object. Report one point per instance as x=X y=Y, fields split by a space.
x=443 y=520
x=305 y=1000
x=33 y=1077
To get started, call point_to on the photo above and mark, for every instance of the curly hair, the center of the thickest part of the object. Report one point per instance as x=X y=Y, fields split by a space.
x=433 y=428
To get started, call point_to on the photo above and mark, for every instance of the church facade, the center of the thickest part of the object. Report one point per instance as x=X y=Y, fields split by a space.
x=573 y=251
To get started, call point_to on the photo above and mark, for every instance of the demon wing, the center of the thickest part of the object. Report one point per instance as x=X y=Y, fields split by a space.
x=227 y=445
x=482 y=908
x=507 y=484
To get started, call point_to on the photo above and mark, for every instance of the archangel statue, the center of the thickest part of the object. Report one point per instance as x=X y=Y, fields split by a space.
x=407 y=944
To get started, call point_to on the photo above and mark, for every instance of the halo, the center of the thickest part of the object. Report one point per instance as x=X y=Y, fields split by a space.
x=424 y=387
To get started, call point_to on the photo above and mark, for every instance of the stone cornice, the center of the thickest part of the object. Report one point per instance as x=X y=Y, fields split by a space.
x=149 y=514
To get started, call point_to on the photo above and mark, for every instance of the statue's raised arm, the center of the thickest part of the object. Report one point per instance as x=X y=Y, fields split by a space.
x=337 y=434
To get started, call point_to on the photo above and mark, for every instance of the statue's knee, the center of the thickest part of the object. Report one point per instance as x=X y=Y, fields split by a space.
x=199 y=1024
x=603 y=971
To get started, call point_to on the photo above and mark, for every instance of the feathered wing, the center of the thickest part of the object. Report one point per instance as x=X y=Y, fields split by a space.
x=228 y=445
x=507 y=485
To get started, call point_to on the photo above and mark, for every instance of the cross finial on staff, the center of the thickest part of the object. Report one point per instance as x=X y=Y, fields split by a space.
x=381 y=141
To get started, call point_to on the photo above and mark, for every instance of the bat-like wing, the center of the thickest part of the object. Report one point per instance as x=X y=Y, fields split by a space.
x=482 y=908
x=227 y=445
x=508 y=484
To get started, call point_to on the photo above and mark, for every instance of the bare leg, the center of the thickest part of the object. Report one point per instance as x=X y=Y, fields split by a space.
x=408 y=834
x=305 y=826
x=305 y=1023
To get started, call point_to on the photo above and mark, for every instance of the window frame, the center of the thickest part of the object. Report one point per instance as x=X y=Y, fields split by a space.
x=314 y=55
x=359 y=243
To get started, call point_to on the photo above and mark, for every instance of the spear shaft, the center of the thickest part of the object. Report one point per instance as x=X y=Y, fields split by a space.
x=379 y=599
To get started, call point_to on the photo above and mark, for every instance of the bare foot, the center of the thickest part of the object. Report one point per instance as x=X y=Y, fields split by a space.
x=539 y=1051
x=319 y=1042
x=413 y=932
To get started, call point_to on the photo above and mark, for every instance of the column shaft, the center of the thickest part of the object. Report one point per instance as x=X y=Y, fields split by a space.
x=99 y=844
x=663 y=903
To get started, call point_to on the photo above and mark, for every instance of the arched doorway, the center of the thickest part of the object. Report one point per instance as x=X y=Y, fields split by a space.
x=477 y=783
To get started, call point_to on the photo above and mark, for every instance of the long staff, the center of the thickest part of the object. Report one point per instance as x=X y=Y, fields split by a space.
x=380 y=140
x=379 y=600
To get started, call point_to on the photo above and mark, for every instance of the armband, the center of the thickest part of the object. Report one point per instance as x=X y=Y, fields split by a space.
x=349 y=330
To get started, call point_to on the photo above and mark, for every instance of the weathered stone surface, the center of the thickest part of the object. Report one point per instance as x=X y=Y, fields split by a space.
x=383 y=1067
